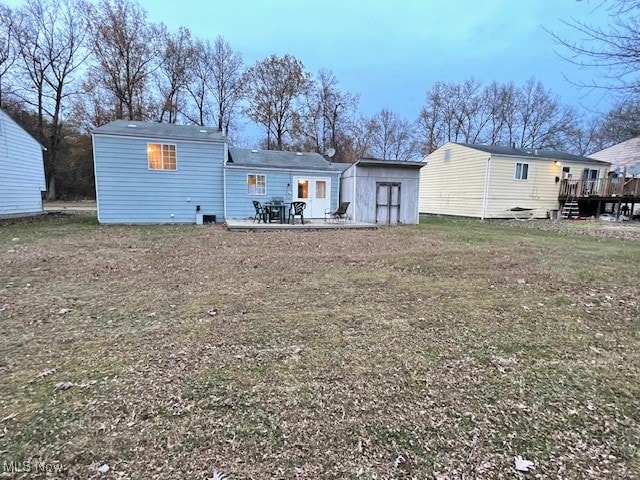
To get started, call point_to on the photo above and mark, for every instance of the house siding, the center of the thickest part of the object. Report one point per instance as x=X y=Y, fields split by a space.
x=279 y=183
x=366 y=177
x=454 y=186
x=22 y=178
x=457 y=186
x=128 y=191
x=539 y=191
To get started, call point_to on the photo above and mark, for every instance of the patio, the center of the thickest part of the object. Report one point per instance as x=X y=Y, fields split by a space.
x=309 y=224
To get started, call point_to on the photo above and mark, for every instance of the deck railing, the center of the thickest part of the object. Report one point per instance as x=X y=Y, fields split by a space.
x=603 y=187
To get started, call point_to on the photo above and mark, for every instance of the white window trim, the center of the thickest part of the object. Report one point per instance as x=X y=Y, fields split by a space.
x=515 y=174
x=265 y=183
x=175 y=146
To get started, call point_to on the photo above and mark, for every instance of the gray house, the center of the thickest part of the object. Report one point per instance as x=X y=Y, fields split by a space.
x=158 y=173
x=382 y=191
x=21 y=170
x=293 y=176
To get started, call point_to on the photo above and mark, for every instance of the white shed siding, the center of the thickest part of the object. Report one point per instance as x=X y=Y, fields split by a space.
x=454 y=186
x=21 y=170
x=279 y=183
x=366 y=178
x=128 y=191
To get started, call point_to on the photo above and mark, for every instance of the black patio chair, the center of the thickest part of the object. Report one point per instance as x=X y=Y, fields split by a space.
x=339 y=214
x=297 y=209
x=261 y=212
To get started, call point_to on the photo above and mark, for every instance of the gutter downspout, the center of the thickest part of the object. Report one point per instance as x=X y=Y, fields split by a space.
x=95 y=175
x=224 y=180
x=485 y=197
x=355 y=205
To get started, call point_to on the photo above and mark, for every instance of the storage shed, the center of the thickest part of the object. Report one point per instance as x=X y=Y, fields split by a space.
x=21 y=170
x=382 y=191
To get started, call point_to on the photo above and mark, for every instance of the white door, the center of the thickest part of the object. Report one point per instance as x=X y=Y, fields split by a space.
x=315 y=192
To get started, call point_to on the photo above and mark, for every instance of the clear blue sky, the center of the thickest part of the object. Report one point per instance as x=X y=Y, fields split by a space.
x=390 y=53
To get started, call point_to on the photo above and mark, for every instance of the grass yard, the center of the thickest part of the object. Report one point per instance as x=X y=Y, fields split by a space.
x=434 y=351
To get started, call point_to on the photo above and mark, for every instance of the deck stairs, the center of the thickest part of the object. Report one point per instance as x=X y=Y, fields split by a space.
x=570 y=209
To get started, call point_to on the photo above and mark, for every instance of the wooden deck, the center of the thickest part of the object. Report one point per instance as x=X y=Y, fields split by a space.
x=609 y=188
x=312 y=224
x=591 y=198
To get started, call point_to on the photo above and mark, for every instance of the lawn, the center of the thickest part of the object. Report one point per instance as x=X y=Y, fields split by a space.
x=441 y=350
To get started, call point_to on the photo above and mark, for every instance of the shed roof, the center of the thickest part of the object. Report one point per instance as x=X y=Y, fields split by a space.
x=540 y=154
x=282 y=160
x=377 y=162
x=169 y=131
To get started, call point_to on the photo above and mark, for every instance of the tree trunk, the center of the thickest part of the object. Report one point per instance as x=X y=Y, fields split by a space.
x=51 y=187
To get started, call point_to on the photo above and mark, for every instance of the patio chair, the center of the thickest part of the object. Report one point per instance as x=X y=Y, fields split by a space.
x=297 y=209
x=261 y=212
x=339 y=214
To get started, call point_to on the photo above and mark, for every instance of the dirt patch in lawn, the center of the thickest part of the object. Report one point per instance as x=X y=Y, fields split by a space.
x=440 y=350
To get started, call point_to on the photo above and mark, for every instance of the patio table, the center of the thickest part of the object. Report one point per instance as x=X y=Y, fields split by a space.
x=281 y=207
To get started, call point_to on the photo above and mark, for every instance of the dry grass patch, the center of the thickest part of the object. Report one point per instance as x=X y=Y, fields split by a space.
x=441 y=350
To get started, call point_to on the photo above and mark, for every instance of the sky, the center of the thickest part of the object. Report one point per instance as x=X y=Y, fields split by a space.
x=391 y=53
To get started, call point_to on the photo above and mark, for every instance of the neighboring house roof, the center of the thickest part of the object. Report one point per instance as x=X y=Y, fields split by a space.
x=622 y=155
x=530 y=153
x=376 y=162
x=167 y=131
x=243 y=157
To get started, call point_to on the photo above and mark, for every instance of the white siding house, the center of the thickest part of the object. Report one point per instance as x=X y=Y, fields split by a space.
x=158 y=173
x=21 y=170
x=487 y=182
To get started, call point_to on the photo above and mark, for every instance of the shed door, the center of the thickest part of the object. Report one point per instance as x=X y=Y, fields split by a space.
x=387 y=203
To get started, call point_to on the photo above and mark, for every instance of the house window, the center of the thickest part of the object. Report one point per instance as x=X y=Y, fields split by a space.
x=447 y=155
x=257 y=184
x=161 y=156
x=522 y=171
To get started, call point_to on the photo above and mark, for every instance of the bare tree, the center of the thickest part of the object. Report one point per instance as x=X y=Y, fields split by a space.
x=543 y=120
x=359 y=142
x=200 y=110
x=173 y=72
x=621 y=123
x=126 y=49
x=227 y=68
x=496 y=114
x=275 y=91
x=51 y=37
x=393 y=137
x=328 y=112
x=7 y=45
x=612 y=51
